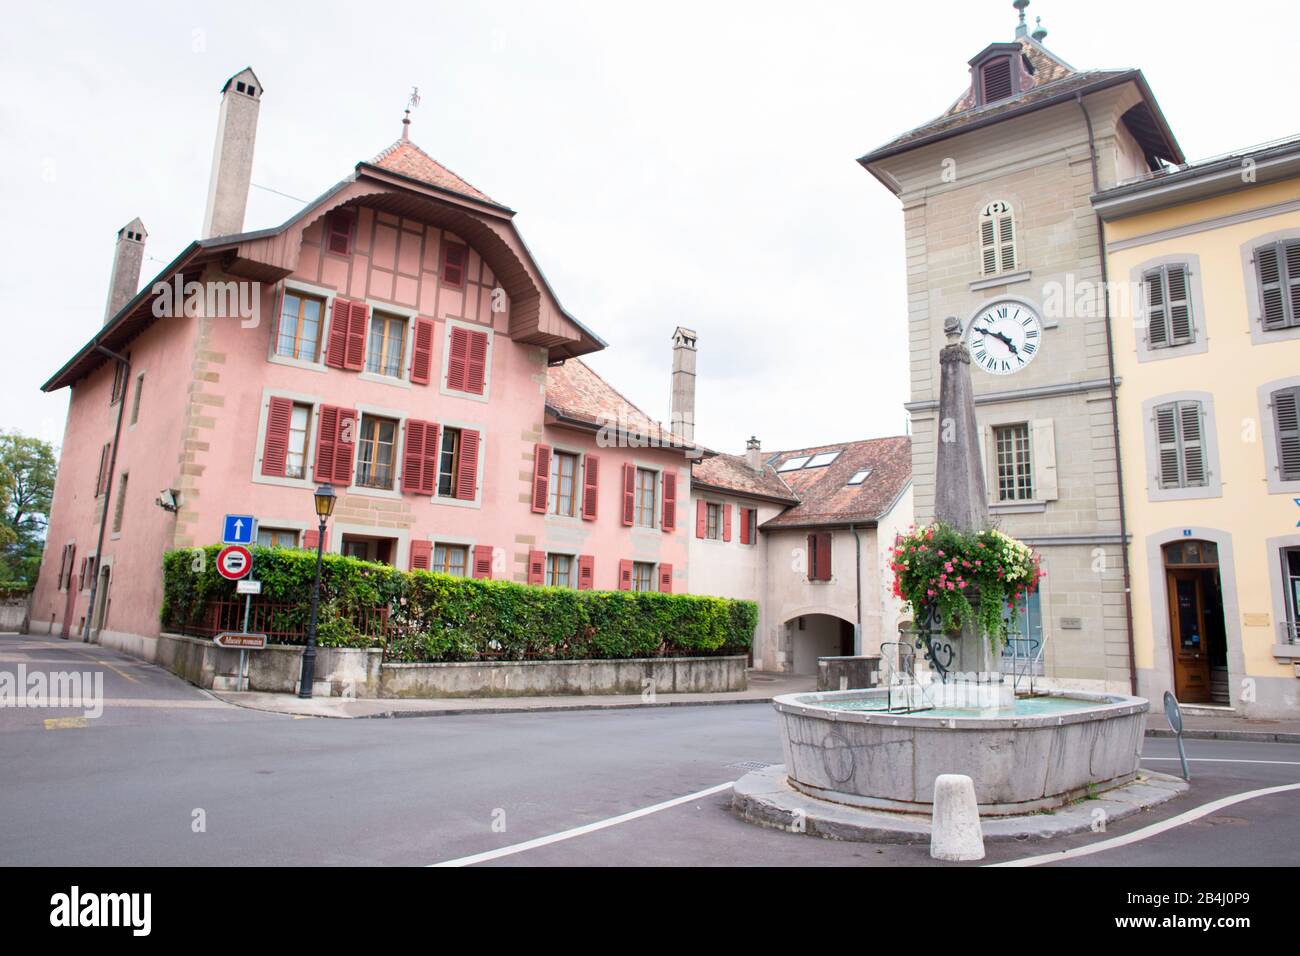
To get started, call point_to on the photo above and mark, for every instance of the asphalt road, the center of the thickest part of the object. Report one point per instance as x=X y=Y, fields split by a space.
x=132 y=787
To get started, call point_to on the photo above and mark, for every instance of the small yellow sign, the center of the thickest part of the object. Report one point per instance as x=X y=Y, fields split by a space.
x=1255 y=620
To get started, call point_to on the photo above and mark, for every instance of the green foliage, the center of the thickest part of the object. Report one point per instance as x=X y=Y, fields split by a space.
x=438 y=617
x=27 y=469
x=939 y=568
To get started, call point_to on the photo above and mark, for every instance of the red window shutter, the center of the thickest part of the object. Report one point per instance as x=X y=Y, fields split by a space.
x=812 y=557
x=541 y=477
x=476 y=364
x=625 y=575
x=275 y=450
x=356 y=354
x=586 y=572
x=590 y=486
x=629 y=493
x=819 y=556
x=483 y=561
x=335 y=443
x=327 y=431
x=726 y=522
x=458 y=360
x=467 y=470
x=421 y=555
x=701 y=517
x=420 y=457
x=336 y=348
x=310 y=539
x=666 y=578
x=454 y=255
x=338 y=227
x=669 y=522
x=422 y=352
x=744 y=526
x=536 y=567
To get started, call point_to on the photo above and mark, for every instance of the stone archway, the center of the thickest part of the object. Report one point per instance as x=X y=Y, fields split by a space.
x=815 y=635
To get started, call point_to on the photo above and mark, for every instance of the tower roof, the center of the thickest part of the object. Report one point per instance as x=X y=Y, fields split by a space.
x=407 y=159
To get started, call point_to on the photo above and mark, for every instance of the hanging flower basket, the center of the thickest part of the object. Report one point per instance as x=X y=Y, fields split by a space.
x=959 y=578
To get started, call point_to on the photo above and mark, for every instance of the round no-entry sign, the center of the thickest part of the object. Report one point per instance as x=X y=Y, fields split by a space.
x=234 y=562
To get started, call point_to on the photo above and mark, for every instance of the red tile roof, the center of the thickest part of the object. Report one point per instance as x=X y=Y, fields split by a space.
x=576 y=393
x=824 y=493
x=732 y=473
x=407 y=159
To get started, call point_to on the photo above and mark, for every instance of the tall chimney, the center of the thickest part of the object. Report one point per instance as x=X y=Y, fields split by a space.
x=754 y=454
x=683 y=400
x=232 y=157
x=128 y=257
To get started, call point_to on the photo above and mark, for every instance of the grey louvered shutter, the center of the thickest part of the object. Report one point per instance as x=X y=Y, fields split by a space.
x=1007 y=243
x=1293 y=282
x=989 y=247
x=1286 y=419
x=1268 y=270
x=1193 y=444
x=1179 y=305
x=1157 y=314
x=1166 y=419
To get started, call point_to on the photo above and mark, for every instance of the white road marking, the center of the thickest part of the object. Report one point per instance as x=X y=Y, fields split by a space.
x=1153 y=830
x=582 y=830
x=1288 y=763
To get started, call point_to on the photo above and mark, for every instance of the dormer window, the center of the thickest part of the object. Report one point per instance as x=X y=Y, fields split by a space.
x=995 y=73
x=338 y=232
x=995 y=80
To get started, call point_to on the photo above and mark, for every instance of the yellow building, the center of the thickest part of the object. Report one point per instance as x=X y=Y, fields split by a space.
x=1203 y=273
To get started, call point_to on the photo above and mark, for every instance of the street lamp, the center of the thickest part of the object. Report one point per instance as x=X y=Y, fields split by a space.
x=325 y=499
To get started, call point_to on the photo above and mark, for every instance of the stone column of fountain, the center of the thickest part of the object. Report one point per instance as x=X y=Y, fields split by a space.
x=960 y=498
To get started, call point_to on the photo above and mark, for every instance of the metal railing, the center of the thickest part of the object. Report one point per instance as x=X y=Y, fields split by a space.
x=281 y=623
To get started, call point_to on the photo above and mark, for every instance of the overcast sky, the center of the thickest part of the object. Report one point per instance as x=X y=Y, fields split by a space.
x=671 y=163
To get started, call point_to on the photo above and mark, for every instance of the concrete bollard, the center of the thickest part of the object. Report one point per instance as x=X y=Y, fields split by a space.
x=955 y=827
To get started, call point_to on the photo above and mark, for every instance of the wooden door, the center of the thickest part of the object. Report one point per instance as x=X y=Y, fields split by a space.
x=1187 y=637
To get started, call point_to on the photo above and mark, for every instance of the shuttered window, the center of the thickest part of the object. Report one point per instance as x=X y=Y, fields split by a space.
x=375 y=452
x=1286 y=422
x=347 y=337
x=670 y=502
x=586 y=572
x=420 y=553
x=298 y=333
x=541 y=478
x=665 y=579
x=454 y=257
x=420 y=458
x=467 y=465
x=559 y=570
x=590 y=486
x=1181 y=445
x=1169 y=306
x=386 y=345
x=995 y=80
x=997 y=239
x=483 y=561
x=121 y=503
x=451 y=559
x=101 y=477
x=1015 y=467
x=629 y=494
x=338 y=232
x=819 y=556
x=646 y=481
x=643 y=576
x=467 y=352
x=564 y=476
x=422 y=352
x=1277 y=270
x=335 y=442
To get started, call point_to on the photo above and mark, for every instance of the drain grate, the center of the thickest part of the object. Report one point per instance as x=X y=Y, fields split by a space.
x=749 y=765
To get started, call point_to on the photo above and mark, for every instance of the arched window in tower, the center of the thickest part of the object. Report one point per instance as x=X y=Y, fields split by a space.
x=997 y=238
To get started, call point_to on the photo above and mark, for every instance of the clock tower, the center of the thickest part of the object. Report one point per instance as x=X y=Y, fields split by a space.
x=1000 y=234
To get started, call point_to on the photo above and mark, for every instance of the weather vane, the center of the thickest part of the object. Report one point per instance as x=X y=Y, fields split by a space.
x=411 y=104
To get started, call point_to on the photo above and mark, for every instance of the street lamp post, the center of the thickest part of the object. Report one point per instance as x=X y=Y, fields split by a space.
x=325 y=499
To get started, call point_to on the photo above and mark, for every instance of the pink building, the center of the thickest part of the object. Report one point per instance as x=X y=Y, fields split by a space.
x=395 y=338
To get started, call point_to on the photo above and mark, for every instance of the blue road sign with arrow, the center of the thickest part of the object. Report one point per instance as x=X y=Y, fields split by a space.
x=239 y=529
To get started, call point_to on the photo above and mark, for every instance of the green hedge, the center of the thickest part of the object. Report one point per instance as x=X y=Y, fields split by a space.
x=438 y=617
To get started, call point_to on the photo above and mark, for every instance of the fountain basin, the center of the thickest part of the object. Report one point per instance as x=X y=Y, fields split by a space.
x=1023 y=754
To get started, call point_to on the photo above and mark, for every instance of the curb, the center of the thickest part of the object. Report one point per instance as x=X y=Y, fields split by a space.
x=764 y=798
x=461 y=711
x=1259 y=736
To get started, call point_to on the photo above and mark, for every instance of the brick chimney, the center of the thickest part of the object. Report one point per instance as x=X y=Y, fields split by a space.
x=754 y=454
x=128 y=257
x=232 y=157
x=683 y=398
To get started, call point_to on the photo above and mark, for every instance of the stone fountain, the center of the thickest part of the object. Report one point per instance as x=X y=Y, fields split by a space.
x=864 y=762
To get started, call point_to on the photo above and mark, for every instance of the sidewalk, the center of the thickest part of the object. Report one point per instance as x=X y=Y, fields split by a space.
x=1227 y=728
x=762 y=688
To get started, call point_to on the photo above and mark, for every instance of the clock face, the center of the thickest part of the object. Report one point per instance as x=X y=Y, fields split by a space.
x=1005 y=337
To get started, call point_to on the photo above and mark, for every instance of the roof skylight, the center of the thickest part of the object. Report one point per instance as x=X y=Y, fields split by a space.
x=794 y=464
x=860 y=476
x=823 y=458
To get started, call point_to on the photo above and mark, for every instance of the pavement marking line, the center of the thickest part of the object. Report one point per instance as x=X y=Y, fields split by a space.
x=65 y=723
x=116 y=670
x=1154 y=830
x=582 y=830
x=1287 y=763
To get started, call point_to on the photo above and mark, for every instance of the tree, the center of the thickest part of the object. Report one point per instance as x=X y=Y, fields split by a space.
x=27 y=469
